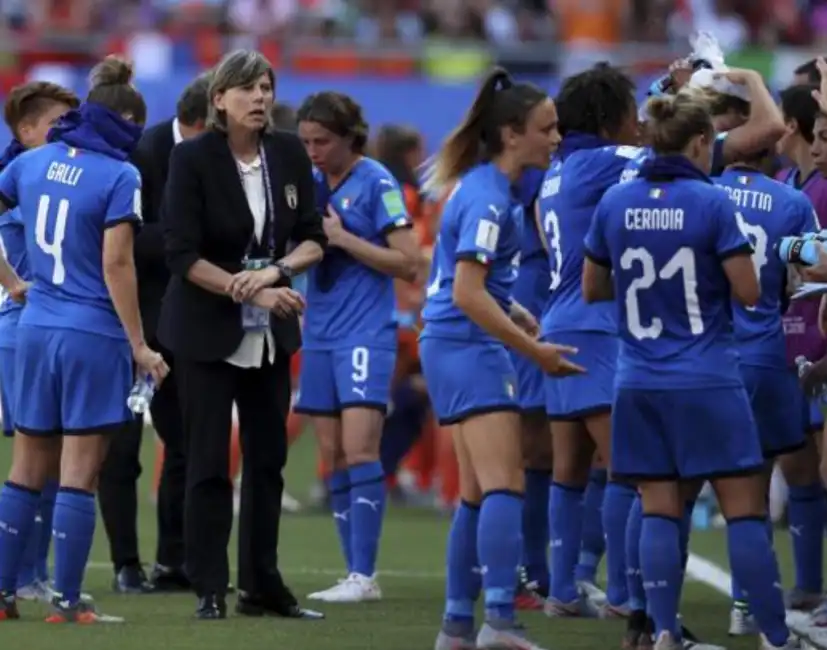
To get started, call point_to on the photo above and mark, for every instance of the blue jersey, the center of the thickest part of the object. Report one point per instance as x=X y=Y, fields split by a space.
x=767 y=211
x=67 y=197
x=718 y=163
x=632 y=169
x=573 y=186
x=349 y=303
x=13 y=248
x=482 y=220
x=665 y=243
x=531 y=286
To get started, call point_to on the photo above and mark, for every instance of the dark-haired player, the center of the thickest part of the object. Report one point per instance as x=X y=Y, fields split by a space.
x=79 y=202
x=350 y=335
x=598 y=121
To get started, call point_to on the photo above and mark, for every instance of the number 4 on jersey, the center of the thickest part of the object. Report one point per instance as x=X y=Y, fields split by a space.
x=54 y=248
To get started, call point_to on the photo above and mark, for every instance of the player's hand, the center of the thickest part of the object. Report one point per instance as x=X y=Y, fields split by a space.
x=738 y=76
x=282 y=301
x=525 y=320
x=333 y=228
x=550 y=357
x=18 y=292
x=246 y=284
x=820 y=95
x=814 y=377
x=680 y=71
x=151 y=363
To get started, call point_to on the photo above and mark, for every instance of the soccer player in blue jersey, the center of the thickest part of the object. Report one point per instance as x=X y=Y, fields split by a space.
x=805 y=509
x=668 y=250
x=744 y=128
x=598 y=121
x=350 y=335
x=463 y=347
x=79 y=201
x=768 y=210
x=30 y=111
x=531 y=291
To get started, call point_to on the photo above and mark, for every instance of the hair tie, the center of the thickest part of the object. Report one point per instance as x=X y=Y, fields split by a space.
x=504 y=82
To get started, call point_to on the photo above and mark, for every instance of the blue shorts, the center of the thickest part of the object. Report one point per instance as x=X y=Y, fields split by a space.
x=814 y=421
x=71 y=383
x=579 y=396
x=354 y=377
x=686 y=434
x=530 y=384
x=7 y=390
x=774 y=396
x=467 y=378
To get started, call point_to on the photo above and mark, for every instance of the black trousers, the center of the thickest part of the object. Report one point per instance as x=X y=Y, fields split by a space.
x=262 y=396
x=118 y=488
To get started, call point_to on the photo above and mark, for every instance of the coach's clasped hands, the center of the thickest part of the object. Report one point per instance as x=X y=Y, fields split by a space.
x=243 y=286
x=150 y=362
x=282 y=301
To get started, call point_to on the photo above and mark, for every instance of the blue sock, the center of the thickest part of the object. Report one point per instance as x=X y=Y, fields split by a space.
x=367 y=509
x=18 y=506
x=616 y=506
x=660 y=564
x=565 y=519
x=47 y=510
x=593 y=543
x=535 y=527
x=462 y=587
x=806 y=517
x=28 y=570
x=499 y=546
x=74 y=528
x=634 y=579
x=739 y=596
x=339 y=486
x=754 y=566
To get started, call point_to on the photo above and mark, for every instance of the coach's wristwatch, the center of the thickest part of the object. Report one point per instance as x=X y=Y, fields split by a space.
x=285 y=269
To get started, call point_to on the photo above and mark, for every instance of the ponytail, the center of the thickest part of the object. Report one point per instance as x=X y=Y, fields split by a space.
x=464 y=147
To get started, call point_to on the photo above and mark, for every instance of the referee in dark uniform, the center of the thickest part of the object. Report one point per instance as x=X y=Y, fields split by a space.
x=119 y=477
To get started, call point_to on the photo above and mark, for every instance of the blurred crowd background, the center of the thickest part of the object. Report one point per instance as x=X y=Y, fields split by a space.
x=370 y=43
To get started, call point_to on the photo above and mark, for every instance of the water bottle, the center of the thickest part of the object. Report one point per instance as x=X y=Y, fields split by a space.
x=801 y=364
x=141 y=394
x=799 y=250
x=702 y=514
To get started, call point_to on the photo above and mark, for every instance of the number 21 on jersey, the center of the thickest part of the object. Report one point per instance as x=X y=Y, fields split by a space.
x=54 y=248
x=683 y=262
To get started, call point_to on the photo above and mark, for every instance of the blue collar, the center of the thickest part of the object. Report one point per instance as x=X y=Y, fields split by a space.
x=11 y=152
x=576 y=141
x=94 y=127
x=669 y=168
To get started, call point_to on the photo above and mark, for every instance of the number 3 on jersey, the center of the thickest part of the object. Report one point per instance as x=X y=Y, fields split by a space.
x=551 y=225
x=54 y=248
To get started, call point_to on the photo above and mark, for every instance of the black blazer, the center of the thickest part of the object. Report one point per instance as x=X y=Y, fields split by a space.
x=205 y=215
x=151 y=157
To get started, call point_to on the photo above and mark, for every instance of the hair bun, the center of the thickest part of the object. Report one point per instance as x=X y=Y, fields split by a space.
x=661 y=108
x=112 y=71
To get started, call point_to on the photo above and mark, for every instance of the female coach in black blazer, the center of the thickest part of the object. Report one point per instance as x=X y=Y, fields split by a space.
x=236 y=195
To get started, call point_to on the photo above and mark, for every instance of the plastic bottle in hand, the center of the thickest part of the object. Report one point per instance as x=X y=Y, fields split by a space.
x=800 y=250
x=802 y=364
x=141 y=394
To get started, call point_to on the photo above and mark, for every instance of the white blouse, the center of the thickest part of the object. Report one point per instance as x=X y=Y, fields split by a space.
x=250 y=353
